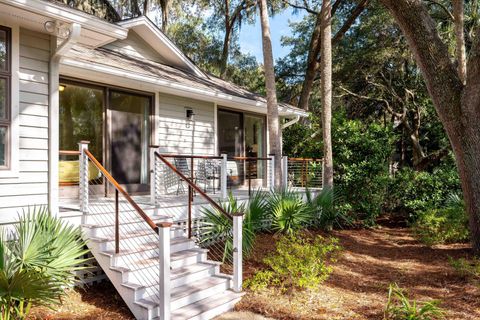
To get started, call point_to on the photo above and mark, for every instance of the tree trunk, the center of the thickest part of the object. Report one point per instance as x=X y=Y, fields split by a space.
x=165 y=5
x=225 y=51
x=326 y=91
x=457 y=105
x=458 y=14
x=312 y=65
x=272 y=105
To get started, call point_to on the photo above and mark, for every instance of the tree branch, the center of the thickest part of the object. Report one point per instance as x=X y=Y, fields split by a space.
x=441 y=5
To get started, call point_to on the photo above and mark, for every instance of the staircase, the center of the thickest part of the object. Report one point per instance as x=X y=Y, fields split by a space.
x=158 y=271
x=198 y=289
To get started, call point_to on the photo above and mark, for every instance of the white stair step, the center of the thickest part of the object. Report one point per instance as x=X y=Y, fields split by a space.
x=208 y=308
x=198 y=290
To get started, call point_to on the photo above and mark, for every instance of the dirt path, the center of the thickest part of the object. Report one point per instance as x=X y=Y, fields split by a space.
x=371 y=260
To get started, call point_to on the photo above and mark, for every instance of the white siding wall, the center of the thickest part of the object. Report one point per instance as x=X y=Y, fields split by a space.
x=177 y=135
x=31 y=185
x=136 y=47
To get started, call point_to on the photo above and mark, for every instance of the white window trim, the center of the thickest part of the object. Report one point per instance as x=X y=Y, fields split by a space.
x=14 y=139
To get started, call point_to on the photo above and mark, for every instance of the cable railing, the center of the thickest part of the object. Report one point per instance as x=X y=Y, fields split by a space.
x=204 y=227
x=304 y=173
x=112 y=216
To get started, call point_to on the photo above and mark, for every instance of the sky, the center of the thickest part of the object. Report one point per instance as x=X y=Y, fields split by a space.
x=251 y=35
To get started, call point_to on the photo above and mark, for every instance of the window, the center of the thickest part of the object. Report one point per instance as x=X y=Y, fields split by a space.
x=5 y=99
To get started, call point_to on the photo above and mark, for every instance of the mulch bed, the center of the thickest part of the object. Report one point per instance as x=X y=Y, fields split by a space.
x=371 y=259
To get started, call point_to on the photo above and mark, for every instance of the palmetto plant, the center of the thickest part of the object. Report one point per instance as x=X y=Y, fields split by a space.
x=37 y=265
x=325 y=206
x=288 y=212
x=399 y=307
x=217 y=229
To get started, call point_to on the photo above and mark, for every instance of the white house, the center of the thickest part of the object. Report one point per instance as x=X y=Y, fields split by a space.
x=67 y=76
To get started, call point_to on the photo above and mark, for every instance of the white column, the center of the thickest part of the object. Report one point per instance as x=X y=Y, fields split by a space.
x=83 y=179
x=153 y=176
x=223 y=176
x=237 y=252
x=285 y=172
x=272 y=172
x=164 y=280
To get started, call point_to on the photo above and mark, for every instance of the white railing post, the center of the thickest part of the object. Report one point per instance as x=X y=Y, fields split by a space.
x=153 y=176
x=83 y=176
x=272 y=172
x=237 y=252
x=285 y=172
x=223 y=176
x=164 y=274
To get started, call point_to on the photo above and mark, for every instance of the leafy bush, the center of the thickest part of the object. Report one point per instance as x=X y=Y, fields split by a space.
x=399 y=307
x=288 y=211
x=361 y=154
x=445 y=225
x=299 y=262
x=413 y=192
x=37 y=266
x=327 y=209
x=469 y=269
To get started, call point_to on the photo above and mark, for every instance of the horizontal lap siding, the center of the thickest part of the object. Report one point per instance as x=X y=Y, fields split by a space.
x=177 y=135
x=31 y=185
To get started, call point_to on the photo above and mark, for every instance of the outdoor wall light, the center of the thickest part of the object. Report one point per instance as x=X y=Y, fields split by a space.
x=189 y=114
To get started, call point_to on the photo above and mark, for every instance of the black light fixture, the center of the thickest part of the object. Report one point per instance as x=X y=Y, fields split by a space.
x=190 y=115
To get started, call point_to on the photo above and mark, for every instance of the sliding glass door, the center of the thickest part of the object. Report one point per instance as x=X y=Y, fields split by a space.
x=129 y=129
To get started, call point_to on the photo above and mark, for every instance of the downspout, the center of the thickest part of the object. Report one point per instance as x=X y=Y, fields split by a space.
x=53 y=112
x=291 y=122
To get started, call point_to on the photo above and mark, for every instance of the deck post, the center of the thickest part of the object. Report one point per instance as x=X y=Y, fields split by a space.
x=237 y=252
x=285 y=172
x=223 y=176
x=272 y=172
x=83 y=178
x=164 y=274
x=153 y=176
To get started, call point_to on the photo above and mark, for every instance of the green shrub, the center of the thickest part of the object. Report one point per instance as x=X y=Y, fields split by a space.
x=469 y=269
x=362 y=152
x=288 y=211
x=37 y=266
x=446 y=225
x=327 y=209
x=399 y=307
x=299 y=262
x=413 y=192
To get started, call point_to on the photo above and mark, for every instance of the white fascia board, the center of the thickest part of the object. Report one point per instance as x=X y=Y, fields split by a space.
x=140 y=81
x=145 y=28
x=70 y=15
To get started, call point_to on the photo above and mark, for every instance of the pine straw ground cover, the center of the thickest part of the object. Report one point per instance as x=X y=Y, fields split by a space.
x=358 y=286
x=357 y=289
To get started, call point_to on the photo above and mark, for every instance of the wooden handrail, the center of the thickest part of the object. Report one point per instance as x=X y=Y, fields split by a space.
x=69 y=152
x=249 y=158
x=305 y=159
x=189 y=156
x=121 y=190
x=194 y=186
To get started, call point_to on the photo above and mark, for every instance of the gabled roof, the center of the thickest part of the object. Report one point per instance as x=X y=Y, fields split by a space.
x=171 y=79
x=165 y=47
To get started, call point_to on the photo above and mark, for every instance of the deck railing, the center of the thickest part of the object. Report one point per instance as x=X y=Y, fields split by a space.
x=129 y=234
x=302 y=172
x=197 y=227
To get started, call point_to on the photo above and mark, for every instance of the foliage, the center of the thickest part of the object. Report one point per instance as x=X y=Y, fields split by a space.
x=469 y=269
x=327 y=209
x=399 y=307
x=443 y=225
x=218 y=228
x=288 y=211
x=414 y=192
x=299 y=262
x=37 y=266
x=361 y=154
